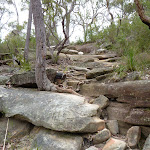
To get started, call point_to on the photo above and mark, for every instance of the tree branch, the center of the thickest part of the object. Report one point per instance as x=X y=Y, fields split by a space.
x=145 y=19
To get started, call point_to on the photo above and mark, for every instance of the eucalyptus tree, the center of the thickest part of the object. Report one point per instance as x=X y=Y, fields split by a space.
x=42 y=80
x=141 y=11
x=87 y=13
x=57 y=13
x=26 y=49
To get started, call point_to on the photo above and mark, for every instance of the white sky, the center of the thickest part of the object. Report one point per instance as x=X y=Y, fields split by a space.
x=23 y=16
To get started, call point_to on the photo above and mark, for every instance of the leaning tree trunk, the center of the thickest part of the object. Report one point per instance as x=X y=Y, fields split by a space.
x=145 y=19
x=26 y=49
x=42 y=81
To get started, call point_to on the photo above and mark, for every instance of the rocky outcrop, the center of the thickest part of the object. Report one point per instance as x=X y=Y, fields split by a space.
x=126 y=98
x=51 y=140
x=125 y=113
x=64 y=112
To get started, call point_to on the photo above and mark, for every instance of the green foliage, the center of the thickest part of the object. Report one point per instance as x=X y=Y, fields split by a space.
x=130 y=39
x=92 y=33
x=133 y=61
x=25 y=66
x=79 y=42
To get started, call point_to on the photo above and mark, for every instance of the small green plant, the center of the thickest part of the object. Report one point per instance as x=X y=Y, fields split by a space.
x=130 y=60
x=79 y=42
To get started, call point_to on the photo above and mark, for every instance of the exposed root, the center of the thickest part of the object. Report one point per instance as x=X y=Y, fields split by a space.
x=64 y=90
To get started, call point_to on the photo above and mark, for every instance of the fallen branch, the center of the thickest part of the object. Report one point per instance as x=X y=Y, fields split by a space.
x=6 y=134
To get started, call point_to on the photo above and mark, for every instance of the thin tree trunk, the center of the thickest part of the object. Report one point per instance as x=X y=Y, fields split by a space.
x=111 y=15
x=13 y=2
x=145 y=19
x=67 y=27
x=42 y=81
x=26 y=49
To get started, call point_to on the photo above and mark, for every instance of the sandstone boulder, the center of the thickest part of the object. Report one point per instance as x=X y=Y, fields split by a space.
x=147 y=144
x=101 y=136
x=133 y=136
x=131 y=92
x=27 y=79
x=139 y=117
x=79 y=68
x=92 y=148
x=101 y=51
x=102 y=77
x=51 y=140
x=97 y=72
x=3 y=79
x=56 y=111
x=16 y=129
x=113 y=126
x=118 y=111
x=106 y=56
x=145 y=131
x=69 y=51
x=102 y=101
x=114 y=144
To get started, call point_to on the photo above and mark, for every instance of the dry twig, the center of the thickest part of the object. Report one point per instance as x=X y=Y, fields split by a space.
x=6 y=134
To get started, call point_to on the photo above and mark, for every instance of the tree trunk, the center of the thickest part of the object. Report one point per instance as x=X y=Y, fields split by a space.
x=140 y=10
x=67 y=27
x=26 y=49
x=42 y=81
x=111 y=15
x=14 y=3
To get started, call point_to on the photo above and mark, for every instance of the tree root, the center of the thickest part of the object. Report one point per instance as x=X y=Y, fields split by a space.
x=64 y=90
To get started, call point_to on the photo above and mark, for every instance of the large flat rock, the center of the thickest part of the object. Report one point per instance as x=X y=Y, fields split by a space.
x=56 y=111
